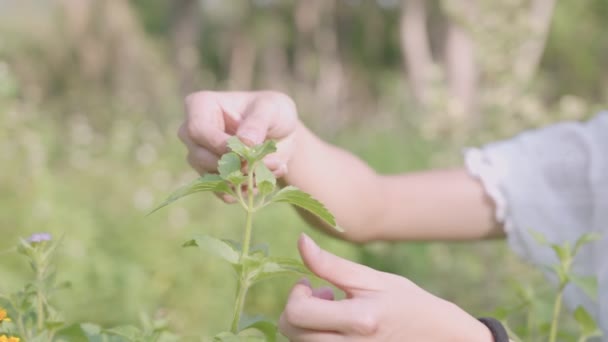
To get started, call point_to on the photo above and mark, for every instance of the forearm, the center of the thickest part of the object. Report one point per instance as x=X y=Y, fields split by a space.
x=347 y=186
x=431 y=205
x=436 y=205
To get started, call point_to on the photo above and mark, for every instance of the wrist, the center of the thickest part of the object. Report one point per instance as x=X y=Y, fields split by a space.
x=303 y=141
x=467 y=328
x=480 y=332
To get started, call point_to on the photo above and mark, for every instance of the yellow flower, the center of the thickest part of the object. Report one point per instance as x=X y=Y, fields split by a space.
x=3 y=317
x=4 y=338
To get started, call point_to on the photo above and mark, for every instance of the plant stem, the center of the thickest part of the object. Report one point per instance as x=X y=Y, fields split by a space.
x=21 y=327
x=556 y=311
x=249 y=222
x=238 y=305
x=243 y=284
x=530 y=321
x=40 y=297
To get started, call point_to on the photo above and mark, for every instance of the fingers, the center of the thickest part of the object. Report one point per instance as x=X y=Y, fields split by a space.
x=277 y=161
x=324 y=292
x=345 y=274
x=205 y=123
x=269 y=115
x=307 y=312
x=276 y=164
x=202 y=160
x=212 y=117
x=296 y=334
x=254 y=126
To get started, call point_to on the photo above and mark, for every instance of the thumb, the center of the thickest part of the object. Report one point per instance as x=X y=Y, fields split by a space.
x=254 y=127
x=342 y=273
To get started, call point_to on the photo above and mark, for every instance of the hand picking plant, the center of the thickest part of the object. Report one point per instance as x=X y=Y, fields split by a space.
x=534 y=329
x=29 y=316
x=243 y=175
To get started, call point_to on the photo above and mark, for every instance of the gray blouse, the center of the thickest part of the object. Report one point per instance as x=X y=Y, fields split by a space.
x=553 y=181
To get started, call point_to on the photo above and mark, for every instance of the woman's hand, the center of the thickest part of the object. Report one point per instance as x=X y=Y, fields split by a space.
x=378 y=307
x=213 y=117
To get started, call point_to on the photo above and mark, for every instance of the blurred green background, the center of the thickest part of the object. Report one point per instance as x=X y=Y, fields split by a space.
x=91 y=97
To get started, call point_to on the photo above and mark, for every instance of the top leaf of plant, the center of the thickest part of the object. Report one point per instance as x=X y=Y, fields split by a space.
x=251 y=154
x=297 y=197
x=235 y=145
x=208 y=182
x=261 y=151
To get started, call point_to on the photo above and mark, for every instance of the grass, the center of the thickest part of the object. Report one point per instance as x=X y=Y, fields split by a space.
x=95 y=189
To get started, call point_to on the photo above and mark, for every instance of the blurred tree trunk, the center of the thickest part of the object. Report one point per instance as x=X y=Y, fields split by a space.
x=243 y=55
x=77 y=18
x=415 y=49
x=531 y=51
x=185 y=35
x=461 y=68
x=242 y=61
x=307 y=20
x=107 y=50
x=317 y=59
x=330 y=79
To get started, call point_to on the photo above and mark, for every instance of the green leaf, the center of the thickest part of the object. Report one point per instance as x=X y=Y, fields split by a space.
x=295 y=196
x=260 y=151
x=585 y=239
x=230 y=337
x=251 y=154
x=259 y=269
x=260 y=249
x=215 y=246
x=586 y=323
x=127 y=331
x=524 y=292
x=229 y=167
x=265 y=326
x=589 y=285
x=53 y=325
x=563 y=252
x=236 y=145
x=42 y=337
x=91 y=329
x=73 y=333
x=208 y=182
x=539 y=237
x=265 y=180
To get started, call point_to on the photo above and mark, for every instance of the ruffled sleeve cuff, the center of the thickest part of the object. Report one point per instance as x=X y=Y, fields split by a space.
x=491 y=172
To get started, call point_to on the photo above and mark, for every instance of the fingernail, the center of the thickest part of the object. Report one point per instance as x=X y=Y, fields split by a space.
x=272 y=162
x=304 y=281
x=310 y=244
x=250 y=138
x=284 y=169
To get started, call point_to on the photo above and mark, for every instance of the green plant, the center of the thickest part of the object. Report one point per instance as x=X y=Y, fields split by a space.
x=29 y=316
x=243 y=175
x=533 y=328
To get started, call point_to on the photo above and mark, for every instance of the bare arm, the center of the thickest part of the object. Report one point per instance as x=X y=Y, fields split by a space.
x=434 y=205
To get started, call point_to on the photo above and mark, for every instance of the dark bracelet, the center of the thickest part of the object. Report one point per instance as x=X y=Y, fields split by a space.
x=496 y=328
